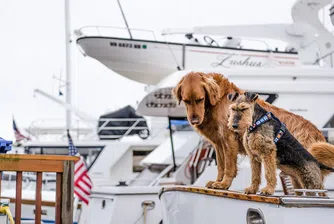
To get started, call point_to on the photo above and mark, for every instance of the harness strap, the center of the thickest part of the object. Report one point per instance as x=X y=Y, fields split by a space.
x=280 y=133
x=263 y=120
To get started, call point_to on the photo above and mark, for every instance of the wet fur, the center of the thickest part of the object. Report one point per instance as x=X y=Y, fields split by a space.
x=288 y=154
x=213 y=112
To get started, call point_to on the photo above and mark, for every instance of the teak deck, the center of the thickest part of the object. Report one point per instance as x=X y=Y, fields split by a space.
x=282 y=200
x=225 y=194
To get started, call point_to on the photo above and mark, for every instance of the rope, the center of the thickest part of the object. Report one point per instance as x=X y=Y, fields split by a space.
x=141 y=215
x=5 y=210
x=145 y=213
x=173 y=55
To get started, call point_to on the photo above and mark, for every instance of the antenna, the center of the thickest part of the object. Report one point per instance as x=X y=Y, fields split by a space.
x=126 y=23
x=62 y=83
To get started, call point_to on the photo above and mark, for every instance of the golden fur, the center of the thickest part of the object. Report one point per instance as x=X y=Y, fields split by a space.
x=207 y=111
x=205 y=100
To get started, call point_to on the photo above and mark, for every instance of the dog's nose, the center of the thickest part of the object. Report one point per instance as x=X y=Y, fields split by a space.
x=194 y=120
x=235 y=126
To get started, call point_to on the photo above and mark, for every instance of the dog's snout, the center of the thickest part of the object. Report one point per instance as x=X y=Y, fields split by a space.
x=194 y=119
x=235 y=126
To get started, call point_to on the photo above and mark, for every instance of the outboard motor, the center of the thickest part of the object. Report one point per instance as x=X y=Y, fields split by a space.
x=331 y=12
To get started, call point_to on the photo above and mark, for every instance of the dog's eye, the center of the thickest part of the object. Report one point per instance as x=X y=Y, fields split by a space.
x=199 y=100
x=234 y=109
x=186 y=101
x=243 y=109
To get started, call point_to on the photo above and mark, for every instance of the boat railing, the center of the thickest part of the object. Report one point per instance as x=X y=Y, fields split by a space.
x=329 y=134
x=114 y=31
x=200 y=158
x=63 y=166
x=128 y=126
x=326 y=61
x=53 y=129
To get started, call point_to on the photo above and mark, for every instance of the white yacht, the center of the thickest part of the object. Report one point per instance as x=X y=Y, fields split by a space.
x=296 y=79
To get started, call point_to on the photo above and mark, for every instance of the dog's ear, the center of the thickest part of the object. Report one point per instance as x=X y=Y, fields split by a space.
x=232 y=96
x=251 y=96
x=212 y=89
x=176 y=91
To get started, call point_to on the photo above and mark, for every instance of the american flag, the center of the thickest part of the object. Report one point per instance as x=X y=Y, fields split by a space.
x=82 y=182
x=18 y=135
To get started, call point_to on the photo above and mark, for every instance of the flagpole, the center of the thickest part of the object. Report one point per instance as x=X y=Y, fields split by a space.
x=75 y=207
x=68 y=64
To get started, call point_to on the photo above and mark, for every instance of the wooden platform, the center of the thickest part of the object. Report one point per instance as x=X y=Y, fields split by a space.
x=64 y=168
x=225 y=194
x=283 y=200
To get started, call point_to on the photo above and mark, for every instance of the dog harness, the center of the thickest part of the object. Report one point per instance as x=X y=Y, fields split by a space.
x=263 y=120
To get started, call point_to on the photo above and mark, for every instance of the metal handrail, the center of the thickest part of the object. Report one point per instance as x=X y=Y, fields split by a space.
x=37 y=128
x=330 y=54
x=81 y=31
x=128 y=128
x=197 y=165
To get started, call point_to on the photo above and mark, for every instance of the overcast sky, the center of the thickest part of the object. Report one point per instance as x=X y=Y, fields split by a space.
x=32 y=49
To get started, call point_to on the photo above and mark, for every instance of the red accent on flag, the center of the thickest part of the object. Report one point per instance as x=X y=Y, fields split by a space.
x=82 y=182
x=18 y=135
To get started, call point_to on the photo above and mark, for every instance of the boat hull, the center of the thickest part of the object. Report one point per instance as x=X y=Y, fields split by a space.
x=197 y=208
x=148 y=62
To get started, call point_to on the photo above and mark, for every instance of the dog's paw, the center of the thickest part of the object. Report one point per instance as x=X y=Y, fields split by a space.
x=210 y=183
x=323 y=195
x=267 y=190
x=251 y=190
x=221 y=185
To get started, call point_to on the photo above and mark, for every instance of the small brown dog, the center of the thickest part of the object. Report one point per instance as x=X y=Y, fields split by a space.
x=266 y=139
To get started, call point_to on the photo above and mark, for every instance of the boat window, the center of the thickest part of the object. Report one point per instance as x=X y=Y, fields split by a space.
x=138 y=156
x=330 y=123
x=181 y=125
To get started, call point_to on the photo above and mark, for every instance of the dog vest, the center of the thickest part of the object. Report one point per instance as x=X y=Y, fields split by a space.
x=263 y=120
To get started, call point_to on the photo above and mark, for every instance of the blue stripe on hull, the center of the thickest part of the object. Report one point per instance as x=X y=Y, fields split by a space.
x=45 y=220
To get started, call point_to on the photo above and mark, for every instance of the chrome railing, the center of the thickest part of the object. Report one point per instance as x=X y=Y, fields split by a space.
x=326 y=61
x=329 y=134
x=132 y=127
x=54 y=129
x=115 y=31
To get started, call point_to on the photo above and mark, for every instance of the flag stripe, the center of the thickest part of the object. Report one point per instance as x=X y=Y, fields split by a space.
x=82 y=182
x=87 y=181
x=18 y=135
x=82 y=197
x=84 y=187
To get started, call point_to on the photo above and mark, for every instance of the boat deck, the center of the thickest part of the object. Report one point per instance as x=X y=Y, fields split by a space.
x=284 y=200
